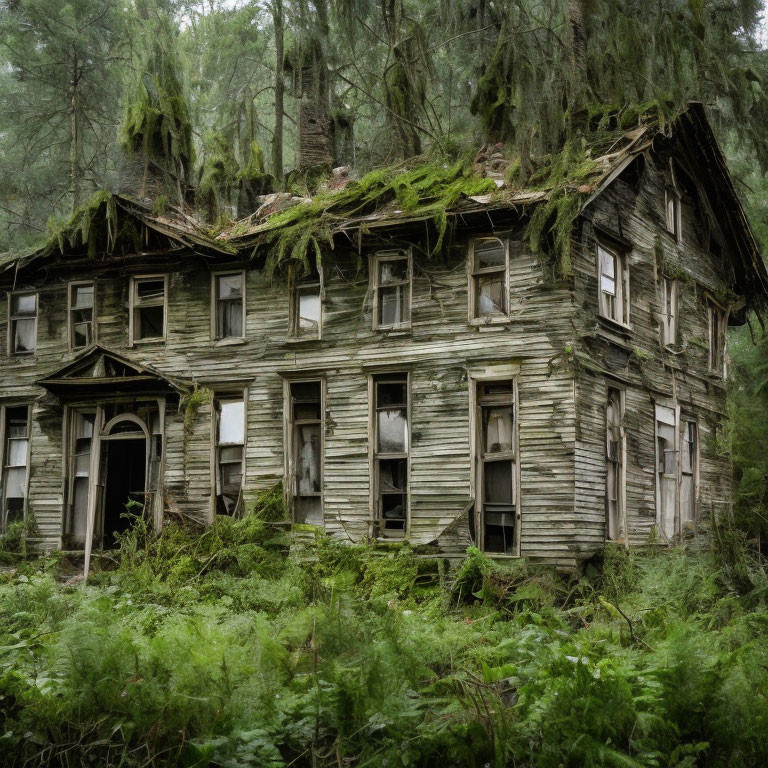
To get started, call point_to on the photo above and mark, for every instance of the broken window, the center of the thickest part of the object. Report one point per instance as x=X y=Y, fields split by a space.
x=15 y=464
x=668 y=310
x=717 y=325
x=490 y=283
x=23 y=323
x=148 y=308
x=614 y=465
x=81 y=308
x=306 y=309
x=391 y=449
x=673 y=213
x=230 y=441
x=666 y=471
x=306 y=453
x=496 y=487
x=82 y=425
x=688 y=461
x=392 y=288
x=614 y=286
x=230 y=305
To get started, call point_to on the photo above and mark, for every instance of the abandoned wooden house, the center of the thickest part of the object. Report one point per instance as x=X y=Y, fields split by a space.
x=477 y=393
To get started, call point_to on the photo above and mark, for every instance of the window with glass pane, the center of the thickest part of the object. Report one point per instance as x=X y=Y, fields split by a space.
x=23 y=323
x=614 y=457
x=688 y=454
x=82 y=438
x=497 y=481
x=393 y=289
x=15 y=464
x=306 y=446
x=148 y=308
x=666 y=471
x=673 y=212
x=229 y=305
x=81 y=308
x=230 y=441
x=489 y=275
x=613 y=280
x=391 y=450
x=668 y=301
x=717 y=322
x=306 y=311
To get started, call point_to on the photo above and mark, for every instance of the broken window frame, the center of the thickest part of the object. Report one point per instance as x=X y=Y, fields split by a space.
x=310 y=285
x=717 y=321
x=615 y=459
x=616 y=309
x=379 y=527
x=14 y=317
x=217 y=332
x=673 y=205
x=72 y=417
x=292 y=442
x=5 y=458
x=219 y=505
x=72 y=310
x=480 y=399
x=476 y=274
x=382 y=257
x=135 y=306
x=689 y=447
x=668 y=310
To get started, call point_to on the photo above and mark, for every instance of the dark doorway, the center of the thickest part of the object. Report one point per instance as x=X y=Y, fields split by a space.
x=125 y=481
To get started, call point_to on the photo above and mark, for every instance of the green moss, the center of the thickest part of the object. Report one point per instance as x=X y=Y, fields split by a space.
x=191 y=404
x=300 y=232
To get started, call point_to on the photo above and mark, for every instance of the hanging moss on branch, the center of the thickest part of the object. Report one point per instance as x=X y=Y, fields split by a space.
x=218 y=176
x=428 y=190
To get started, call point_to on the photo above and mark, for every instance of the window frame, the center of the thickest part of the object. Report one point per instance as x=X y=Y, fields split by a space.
x=133 y=308
x=294 y=325
x=71 y=309
x=221 y=396
x=686 y=422
x=473 y=273
x=4 y=466
x=375 y=456
x=621 y=280
x=673 y=222
x=12 y=318
x=404 y=254
x=660 y=417
x=290 y=439
x=621 y=464
x=216 y=335
x=669 y=320
x=475 y=378
x=716 y=348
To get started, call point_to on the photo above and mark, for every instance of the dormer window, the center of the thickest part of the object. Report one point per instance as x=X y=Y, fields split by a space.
x=489 y=283
x=614 y=285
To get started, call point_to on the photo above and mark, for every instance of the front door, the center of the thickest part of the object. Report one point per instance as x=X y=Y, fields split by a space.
x=124 y=465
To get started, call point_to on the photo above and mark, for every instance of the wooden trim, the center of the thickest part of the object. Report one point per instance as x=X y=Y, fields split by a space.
x=133 y=281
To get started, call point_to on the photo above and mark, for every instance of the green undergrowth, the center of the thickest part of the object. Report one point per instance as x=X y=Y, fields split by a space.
x=219 y=647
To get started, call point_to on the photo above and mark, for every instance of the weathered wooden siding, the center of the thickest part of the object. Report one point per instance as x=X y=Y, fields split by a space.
x=437 y=352
x=636 y=360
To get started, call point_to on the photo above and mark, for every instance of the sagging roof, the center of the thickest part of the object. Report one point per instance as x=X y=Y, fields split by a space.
x=394 y=197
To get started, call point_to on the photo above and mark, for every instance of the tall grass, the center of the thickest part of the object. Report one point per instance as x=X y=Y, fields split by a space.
x=219 y=648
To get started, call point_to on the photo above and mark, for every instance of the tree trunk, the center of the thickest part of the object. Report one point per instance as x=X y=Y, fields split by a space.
x=577 y=14
x=74 y=138
x=278 y=21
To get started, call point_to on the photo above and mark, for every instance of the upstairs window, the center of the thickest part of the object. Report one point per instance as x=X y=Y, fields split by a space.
x=489 y=283
x=230 y=442
x=13 y=493
x=81 y=321
x=673 y=208
x=306 y=309
x=614 y=286
x=148 y=308
x=22 y=325
x=717 y=325
x=668 y=310
x=229 y=299
x=392 y=289
x=390 y=454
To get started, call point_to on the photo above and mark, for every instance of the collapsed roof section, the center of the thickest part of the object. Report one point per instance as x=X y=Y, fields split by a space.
x=288 y=229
